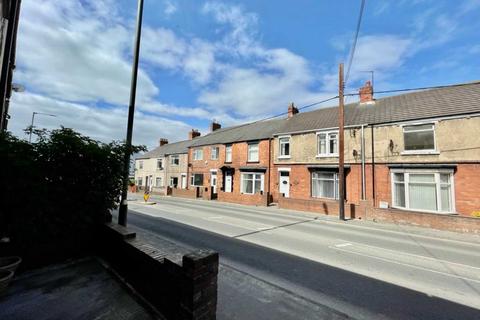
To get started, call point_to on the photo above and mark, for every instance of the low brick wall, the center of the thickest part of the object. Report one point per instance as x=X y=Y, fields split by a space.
x=185 y=193
x=322 y=206
x=248 y=199
x=454 y=223
x=185 y=289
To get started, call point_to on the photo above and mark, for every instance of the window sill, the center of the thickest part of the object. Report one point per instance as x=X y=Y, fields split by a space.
x=333 y=155
x=253 y=161
x=228 y=162
x=283 y=157
x=419 y=152
x=323 y=198
x=423 y=211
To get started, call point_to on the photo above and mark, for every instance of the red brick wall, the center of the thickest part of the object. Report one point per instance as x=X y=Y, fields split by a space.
x=322 y=206
x=249 y=199
x=184 y=193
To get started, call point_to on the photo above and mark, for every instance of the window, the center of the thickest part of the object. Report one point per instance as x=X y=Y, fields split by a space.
x=173 y=182
x=327 y=144
x=139 y=182
x=198 y=154
x=252 y=183
x=175 y=160
x=140 y=164
x=425 y=191
x=159 y=182
x=325 y=185
x=419 y=137
x=252 y=152
x=284 y=143
x=159 y=164
x=228 y=153
x=214 y=153
x=196 y=179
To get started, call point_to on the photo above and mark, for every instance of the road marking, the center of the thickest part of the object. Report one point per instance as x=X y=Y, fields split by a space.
x=215 y=217
x=404 y=264
x=416 y=255
x=343 y=245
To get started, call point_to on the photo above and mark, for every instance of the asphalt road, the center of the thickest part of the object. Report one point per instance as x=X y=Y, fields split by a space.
x=278 y=264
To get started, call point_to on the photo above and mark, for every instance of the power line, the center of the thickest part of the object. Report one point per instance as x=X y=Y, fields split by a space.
x=354 y=44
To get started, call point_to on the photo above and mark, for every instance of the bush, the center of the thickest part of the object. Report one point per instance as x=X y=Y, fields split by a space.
x=57 y=190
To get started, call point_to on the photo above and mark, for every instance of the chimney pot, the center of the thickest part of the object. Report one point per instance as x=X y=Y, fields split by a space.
x=192 y=134
x=162 y=141
x=292 y=110
x=215 y=126
x=366 y=93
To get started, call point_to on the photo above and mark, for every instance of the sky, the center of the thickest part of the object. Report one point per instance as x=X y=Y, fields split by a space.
x=229 y=61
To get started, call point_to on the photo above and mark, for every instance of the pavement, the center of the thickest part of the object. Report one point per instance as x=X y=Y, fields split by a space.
x=81 y=289
x=287 y=263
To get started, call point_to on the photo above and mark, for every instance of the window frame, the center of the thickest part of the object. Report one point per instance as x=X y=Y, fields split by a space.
x=217 y=152
x=161 y=182
x=140 y=164
x=228 y=147
x=336 y=184
x=173 y=158
x=262 y=182
x=160 y=160
x=284 y=156
x=140 y=181
x=250 y=144
x=327 y=154
x=423 y=151
x=195 y=154
x=192 y=179
x=438 y=184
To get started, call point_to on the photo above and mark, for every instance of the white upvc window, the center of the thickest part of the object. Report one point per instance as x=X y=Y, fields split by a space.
x=252 y=152
x=140 y=164
x=175 y=160
x=198 y=154
x=419 y=138
x=228 y=153
x=252 y=183
x=159 y=182
x=159 y=164
x=196 y=179
x=214 y=153
x=173 y=182
x=139 y=182
x=423 y=190
x=327 y=144
x=325 y=184
x=284 y=147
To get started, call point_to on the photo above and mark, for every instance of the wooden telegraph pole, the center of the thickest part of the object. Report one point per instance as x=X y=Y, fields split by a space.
x=341 y=169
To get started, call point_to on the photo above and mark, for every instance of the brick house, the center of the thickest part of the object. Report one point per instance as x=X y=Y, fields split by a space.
x=164 y=166
x=407 y=153
x=233 y=164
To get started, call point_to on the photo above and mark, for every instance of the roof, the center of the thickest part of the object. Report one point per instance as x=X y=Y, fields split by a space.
x=246 y=132
x=167 y=149
x=447 y=101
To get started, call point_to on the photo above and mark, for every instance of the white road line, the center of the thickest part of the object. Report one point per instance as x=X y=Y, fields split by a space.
x=404 y=264
x=343 y=245
x=415 y=255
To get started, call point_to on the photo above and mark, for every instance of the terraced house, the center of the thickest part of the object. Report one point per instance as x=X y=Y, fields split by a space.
x=414 y=152
x=164 y=167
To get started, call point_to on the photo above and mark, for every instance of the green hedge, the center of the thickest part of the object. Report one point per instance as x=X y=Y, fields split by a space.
x=56 y=191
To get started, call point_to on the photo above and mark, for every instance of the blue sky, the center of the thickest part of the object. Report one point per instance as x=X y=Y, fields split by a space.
x=233 y=61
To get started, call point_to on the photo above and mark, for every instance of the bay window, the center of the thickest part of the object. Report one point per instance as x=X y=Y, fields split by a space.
x=423 y=190
x=253 y=152
x=325 y=184
x=327 y=144
x=252 y=183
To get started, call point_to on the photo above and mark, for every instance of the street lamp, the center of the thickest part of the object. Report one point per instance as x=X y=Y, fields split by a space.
x=33 y=119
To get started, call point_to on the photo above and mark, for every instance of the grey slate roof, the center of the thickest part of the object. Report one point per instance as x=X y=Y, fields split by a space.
x=169 y=148
x=448 y=101
x=246 y=132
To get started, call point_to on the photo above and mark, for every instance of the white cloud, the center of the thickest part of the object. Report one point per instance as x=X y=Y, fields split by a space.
x=170 y=7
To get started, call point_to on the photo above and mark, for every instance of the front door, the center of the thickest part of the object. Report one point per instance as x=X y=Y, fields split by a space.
x=284 y=183
x=184 y=181
x=228 y=182
x=213 y=182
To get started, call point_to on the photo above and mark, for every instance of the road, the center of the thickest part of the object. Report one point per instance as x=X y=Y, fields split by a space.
x=280 y=264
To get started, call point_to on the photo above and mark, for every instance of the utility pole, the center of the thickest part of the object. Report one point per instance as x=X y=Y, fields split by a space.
x=341 y=138
x=122 y=213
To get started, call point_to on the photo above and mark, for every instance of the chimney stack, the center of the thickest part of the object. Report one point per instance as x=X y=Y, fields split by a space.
x=193 y=134
x=162 y=141
x=292 y=110
x=366 y=93
x=215 y=126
